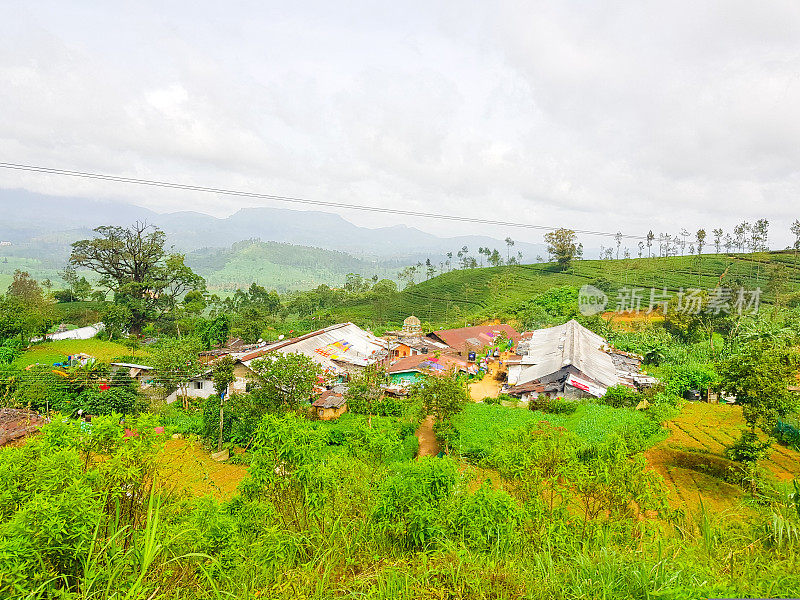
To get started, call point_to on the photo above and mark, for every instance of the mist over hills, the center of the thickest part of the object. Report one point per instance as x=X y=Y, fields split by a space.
x=41 y=228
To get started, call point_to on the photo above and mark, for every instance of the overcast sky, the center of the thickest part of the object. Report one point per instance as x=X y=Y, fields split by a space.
x=595 y=115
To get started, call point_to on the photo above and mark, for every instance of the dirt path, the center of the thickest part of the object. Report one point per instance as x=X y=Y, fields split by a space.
x=485 y=388
x=428 y=446
x=488 y=387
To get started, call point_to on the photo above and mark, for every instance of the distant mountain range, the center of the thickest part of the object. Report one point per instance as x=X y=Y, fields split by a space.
x=41 y=227
x=27 y=216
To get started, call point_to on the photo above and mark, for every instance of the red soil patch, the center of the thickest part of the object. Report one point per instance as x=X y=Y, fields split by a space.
x=16 y=424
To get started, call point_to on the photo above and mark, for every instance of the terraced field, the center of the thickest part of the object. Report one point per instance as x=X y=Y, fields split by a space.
x=693 y=463
x=484 y=292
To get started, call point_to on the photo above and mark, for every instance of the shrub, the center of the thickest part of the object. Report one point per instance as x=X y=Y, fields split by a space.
x=621 y=396
x=176 y=420
x=485 y=520
x=787 y=434
x=554 y=406
x=748 y=448
x=691 y=376
x=9 y=350
x=408 y=507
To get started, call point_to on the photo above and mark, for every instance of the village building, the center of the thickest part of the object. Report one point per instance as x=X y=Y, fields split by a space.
x=339 y=349
x=410 y=340
x=465 y=340
x=403 y=347
x=142 y=374
x=412 y=327
x=570 y=361
x=330 y=405
x=409 y=370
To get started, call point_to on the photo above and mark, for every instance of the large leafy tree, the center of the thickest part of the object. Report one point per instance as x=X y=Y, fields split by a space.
x=133 y=263
x=24 y=312
x=442 y=395
x=760 y=375
x=284 y=380
x=561 y=245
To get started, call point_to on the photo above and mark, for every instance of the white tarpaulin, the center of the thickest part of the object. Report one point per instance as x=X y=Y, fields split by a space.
x=585 y=386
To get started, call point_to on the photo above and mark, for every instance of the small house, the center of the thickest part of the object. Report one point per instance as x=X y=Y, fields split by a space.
x=330 y=405
x=409 y=370
x=142 y=374
x=340 y=349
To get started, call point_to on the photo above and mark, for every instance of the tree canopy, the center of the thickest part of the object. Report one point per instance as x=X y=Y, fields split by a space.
x=133 y=263
x=561 y=245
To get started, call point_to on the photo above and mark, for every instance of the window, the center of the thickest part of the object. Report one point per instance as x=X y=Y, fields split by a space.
x=198 y=385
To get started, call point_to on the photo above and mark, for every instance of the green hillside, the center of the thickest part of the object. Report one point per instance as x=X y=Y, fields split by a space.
x=279 y=266
x=483 y=293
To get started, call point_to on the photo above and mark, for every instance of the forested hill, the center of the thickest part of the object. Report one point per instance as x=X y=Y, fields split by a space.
x=503 y=292
x=280 y=266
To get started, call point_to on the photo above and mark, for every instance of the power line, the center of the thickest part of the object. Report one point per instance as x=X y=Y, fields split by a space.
x=298 y=200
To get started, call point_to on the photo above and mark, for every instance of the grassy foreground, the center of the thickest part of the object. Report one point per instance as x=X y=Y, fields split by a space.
x=48 y=353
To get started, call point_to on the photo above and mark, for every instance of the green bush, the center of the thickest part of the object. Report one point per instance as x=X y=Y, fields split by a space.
x=621 y=396
x=9 y=350
x=409 y=501
x=692 y=376
x=748 y=448
x=176 y=420
x=555 y=406
x=787 y=434
x=486 y=520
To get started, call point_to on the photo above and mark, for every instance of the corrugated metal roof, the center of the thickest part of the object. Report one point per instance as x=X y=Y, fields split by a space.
x=427 y=362
x=475 y=338
x=344 y=342
x=329 y=399
x=554 y=348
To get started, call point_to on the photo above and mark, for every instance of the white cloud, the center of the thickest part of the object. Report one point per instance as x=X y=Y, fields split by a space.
x=593 y=115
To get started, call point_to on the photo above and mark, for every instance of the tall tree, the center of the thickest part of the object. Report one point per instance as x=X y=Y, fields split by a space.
x=509 y=245
x=700 y=236
x=561 y=245
x=759 y=375
x=717 y=239
x=495 y=259
x=795 y=229
x=442 y=395
x=24 y=311
x=175 y=362
x=283 y=381
x=133 y=263
x=70 y=277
